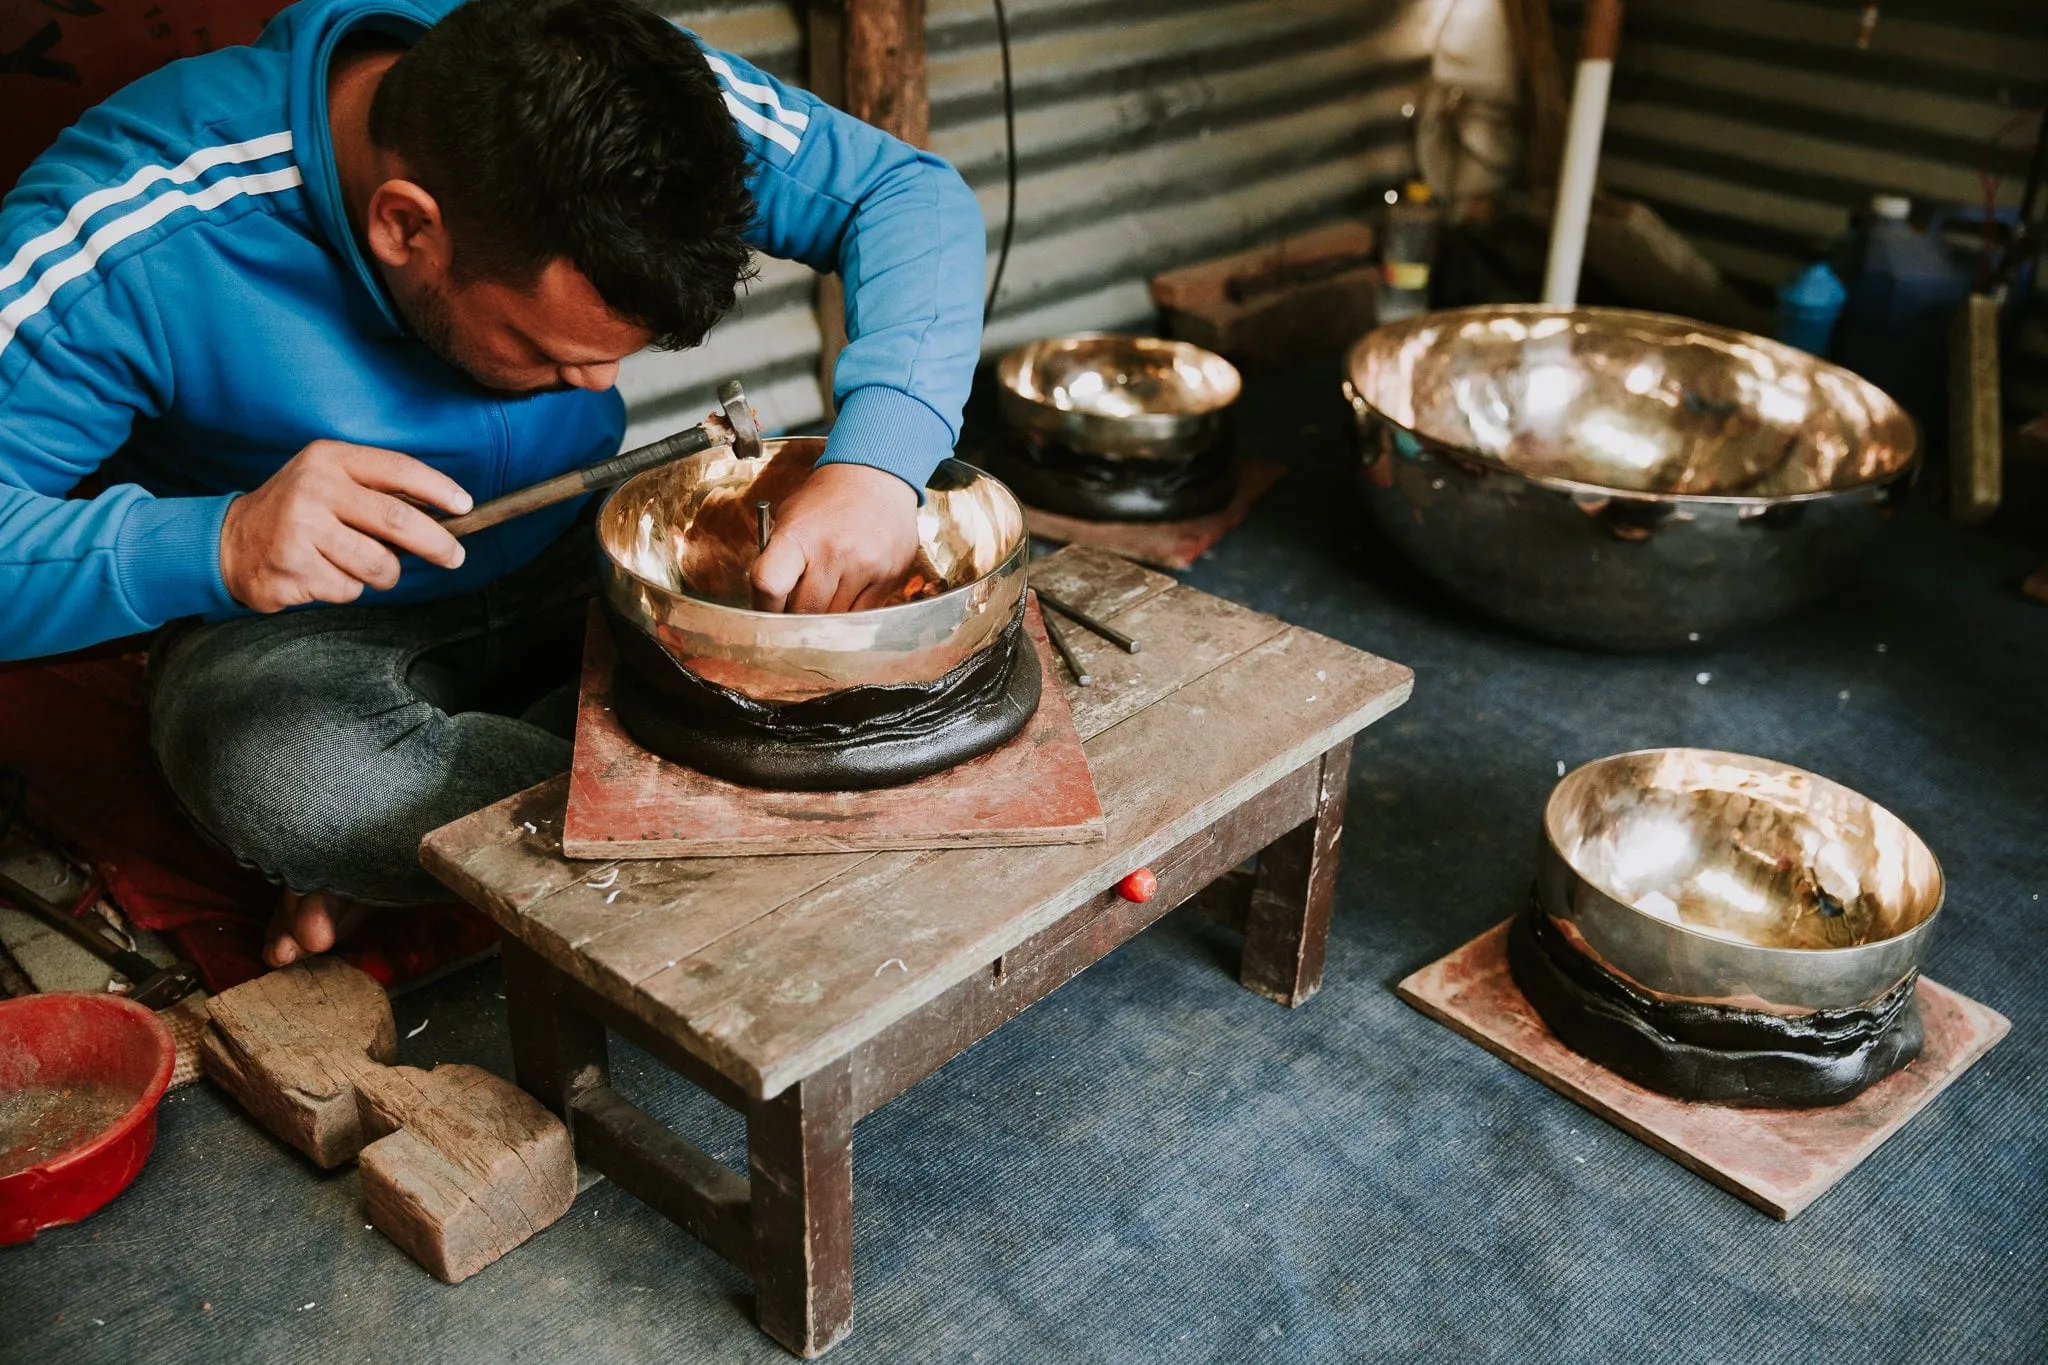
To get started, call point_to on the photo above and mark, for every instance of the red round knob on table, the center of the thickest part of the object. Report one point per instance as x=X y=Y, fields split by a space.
x=1139 y=887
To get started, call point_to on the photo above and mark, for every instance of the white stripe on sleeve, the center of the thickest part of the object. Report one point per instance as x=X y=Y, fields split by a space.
x=760 y=94
x=747 y=118
x=186 y=171
x=126 y=226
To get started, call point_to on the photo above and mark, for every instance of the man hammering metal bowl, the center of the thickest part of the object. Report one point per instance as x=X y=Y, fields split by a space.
x=299 y=304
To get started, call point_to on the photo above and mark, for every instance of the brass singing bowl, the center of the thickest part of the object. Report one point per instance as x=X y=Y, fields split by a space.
x=1118 y=397
x=699 y=514
x=1719 y=877
x=1620 y=479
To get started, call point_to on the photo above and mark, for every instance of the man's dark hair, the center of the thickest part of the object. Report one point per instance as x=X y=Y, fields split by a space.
x=585 y=129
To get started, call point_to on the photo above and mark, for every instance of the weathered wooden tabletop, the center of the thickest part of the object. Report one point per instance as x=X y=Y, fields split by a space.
x=768 y=968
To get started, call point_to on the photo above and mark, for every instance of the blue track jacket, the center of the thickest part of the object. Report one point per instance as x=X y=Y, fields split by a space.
x=183 y=306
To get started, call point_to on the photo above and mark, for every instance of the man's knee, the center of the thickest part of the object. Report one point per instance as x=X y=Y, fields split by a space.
x=287 y=749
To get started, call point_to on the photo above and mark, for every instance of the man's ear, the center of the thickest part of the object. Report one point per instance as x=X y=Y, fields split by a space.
x=404 y=227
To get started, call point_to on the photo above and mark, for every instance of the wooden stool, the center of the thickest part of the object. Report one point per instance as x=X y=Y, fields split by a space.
x=808 y=990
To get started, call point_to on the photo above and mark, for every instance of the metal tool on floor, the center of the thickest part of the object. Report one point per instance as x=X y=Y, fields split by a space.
x=737 y=429
x=154 y=986
x=1088 y=623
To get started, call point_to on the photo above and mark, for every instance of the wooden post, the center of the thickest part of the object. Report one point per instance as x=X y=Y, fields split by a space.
x=868 y=58
x=800 y=1157
x=558 y=1051
x=1289 y=919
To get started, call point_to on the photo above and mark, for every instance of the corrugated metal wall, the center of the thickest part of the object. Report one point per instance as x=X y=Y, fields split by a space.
x=1150 y=133
x=1756 y=126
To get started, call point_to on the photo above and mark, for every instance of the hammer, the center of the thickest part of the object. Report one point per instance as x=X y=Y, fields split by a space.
x=739 y=432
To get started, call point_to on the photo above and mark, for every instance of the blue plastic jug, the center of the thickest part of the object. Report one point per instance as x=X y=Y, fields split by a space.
x=1903 y=285
x=1808 y=305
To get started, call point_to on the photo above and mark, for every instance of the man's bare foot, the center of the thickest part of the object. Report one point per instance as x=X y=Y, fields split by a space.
x=310 y=924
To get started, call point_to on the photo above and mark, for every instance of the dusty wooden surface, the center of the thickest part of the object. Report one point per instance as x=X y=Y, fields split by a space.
x=624 y=802
x=291 y=1047
x=465 y=1166
x=1169 y=544
x=772 y=968
x=1780 y=1160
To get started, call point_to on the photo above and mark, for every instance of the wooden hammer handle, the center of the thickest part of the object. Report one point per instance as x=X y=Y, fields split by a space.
x=562 y=487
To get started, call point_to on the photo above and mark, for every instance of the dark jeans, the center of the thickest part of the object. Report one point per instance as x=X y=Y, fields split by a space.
x=318 y=746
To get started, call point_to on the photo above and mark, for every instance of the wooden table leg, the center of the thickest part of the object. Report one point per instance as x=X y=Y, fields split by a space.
x=558 y=1051
x=800 y=1155
x=1289 y=919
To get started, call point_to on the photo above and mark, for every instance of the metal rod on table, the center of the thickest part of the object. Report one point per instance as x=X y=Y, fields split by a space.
x=1087 y=622
x=1059 y=642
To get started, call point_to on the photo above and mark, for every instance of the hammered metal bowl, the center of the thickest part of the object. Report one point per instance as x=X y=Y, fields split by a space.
x=1734 y=880
x=1118 y=397
x=1619 y=479
x=677 y=543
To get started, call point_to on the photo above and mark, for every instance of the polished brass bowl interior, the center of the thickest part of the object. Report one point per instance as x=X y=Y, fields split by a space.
x=1610 y=401
x=1118 y=397
x=1620 y=479
x=678 y=543
x=1721 y=877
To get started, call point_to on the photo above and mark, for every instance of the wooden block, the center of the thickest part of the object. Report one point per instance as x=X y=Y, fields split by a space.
x=465 y=1166
x=1168 y=544
x=1780 y=1160
x=291 y=1047
x=1209 y=283
x=626 y=803
x=1273 y=304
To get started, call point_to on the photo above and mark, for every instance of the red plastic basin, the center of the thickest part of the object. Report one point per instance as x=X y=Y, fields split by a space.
x=80 y=1077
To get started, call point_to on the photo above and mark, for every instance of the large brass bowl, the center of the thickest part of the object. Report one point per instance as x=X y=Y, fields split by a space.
x=1722 y=878
x=1118 y=397
x=1620 y=479
x=700 y=511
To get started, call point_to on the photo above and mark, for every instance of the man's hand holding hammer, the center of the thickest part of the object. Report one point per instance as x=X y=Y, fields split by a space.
x=330 y=523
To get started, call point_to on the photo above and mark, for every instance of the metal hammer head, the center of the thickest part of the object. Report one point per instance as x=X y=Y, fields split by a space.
x=739 y=415
x=166 y=986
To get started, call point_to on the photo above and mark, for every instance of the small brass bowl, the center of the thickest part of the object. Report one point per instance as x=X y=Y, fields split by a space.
x=1731 y=880
x=1118 y=397
x=700 y=511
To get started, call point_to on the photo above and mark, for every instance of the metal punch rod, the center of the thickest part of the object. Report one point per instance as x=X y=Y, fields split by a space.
x=1087 y=622
x=1059 y=642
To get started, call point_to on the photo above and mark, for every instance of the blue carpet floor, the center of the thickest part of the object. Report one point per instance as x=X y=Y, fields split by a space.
x=1154 y=1165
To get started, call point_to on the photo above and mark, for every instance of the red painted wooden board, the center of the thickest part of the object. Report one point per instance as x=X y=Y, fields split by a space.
x=1780 y=1160
x=626 y=803
x=1164 y=544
